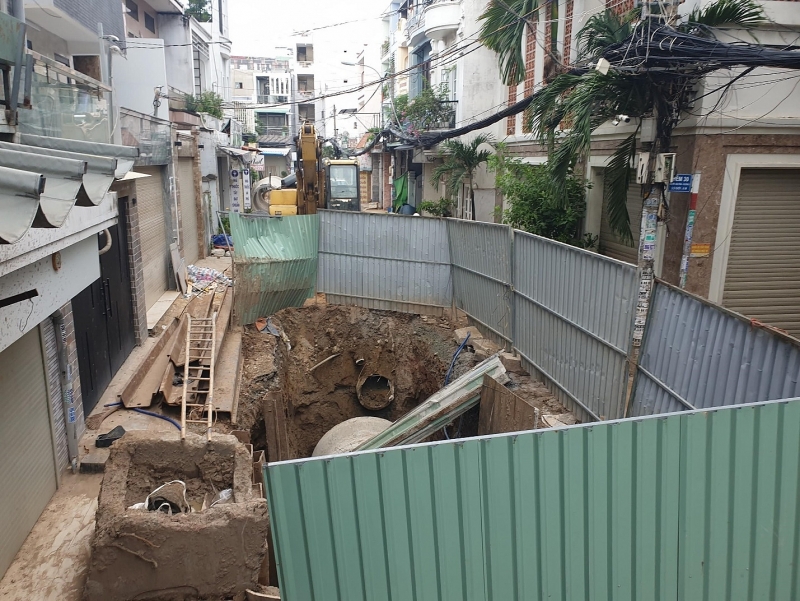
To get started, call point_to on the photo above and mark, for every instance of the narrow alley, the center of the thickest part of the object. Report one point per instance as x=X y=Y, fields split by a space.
x=426 y=299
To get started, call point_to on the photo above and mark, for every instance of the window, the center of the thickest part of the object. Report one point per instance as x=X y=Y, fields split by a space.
x=239 y=85
x=150 y=22
x=133 y=9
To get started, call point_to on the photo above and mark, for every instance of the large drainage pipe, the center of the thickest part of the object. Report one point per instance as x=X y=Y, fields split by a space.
x=348 y=435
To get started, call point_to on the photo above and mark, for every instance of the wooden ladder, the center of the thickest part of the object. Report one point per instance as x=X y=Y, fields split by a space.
x=198 y=373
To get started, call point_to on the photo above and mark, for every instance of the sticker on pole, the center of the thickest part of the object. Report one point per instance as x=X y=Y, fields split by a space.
x=682 y=182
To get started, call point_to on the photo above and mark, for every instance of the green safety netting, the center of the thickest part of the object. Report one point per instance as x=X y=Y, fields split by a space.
x=275 y=261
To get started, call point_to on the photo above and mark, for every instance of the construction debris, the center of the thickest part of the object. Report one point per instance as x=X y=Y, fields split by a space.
x=503 y=411
x=443 y=407
x=218 y=553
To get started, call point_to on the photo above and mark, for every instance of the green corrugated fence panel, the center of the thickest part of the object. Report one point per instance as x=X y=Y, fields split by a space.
x=692 y=506
x=275 y=262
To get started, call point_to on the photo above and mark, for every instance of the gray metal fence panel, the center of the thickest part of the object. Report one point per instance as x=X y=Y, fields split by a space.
x=696 y=355
x=383 y=261
x=481 y=258
x=573 y=317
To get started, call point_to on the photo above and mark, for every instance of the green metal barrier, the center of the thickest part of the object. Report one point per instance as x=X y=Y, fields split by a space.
x=693 y=506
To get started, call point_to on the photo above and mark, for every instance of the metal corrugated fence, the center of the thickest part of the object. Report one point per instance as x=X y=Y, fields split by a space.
x=573 y=313
x=481 y=259
x=698 y=505
x=384 y=261
x=696 y=354
x=275 y=262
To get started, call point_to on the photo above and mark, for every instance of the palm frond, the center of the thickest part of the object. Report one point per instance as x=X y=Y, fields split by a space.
x=744 y=13
x=459 y=161
x=504 y=31
x=617 y=179
x=602 y=30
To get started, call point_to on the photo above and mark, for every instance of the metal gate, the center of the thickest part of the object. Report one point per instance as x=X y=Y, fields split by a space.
x=610 y=244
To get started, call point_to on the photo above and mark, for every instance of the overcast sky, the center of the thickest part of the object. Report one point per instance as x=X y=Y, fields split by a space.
x=257 y=26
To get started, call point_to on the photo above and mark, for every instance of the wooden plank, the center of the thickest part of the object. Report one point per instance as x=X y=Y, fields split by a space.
x=275 y=424
x=178 y=267
x=178 y=351
x=166 y=383
x=503 y=411
x=223 y=320
x=226 y=385
x=146 y=380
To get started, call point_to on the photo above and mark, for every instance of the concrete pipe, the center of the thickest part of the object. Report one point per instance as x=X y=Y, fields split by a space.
x=375 y=392
x=348 y=435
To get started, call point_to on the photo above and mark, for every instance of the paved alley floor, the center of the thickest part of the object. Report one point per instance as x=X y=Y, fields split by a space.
x=53 y=562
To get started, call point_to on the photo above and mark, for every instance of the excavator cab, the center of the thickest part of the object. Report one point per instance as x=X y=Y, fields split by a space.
x=342 y=185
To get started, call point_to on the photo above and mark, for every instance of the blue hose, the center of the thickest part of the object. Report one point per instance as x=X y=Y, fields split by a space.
x=158 y=415
x=449 y=373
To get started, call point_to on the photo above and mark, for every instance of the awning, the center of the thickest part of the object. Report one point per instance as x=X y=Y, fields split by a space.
x=19 y=202
x=42 y=178
x=99 y=176
x=131 y=175
x=275 y=152
x=234 y=152
x=63 y=180
x=125 y=155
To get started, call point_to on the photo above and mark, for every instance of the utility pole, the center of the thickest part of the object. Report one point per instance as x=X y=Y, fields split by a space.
x=335 y=131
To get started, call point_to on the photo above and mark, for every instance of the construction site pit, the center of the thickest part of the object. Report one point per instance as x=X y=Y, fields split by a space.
x=326 y=364
x=211 y=546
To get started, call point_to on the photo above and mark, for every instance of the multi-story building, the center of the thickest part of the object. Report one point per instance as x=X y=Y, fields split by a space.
x=68 y=300
x=732 y=241
x=421 y=49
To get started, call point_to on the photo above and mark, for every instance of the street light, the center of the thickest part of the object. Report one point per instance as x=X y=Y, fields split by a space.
x=391 y=86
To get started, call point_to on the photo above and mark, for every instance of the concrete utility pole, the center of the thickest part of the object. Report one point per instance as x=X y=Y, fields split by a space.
x=335 y=131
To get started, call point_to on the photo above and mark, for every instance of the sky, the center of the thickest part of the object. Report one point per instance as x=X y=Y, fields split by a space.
x=257 y=26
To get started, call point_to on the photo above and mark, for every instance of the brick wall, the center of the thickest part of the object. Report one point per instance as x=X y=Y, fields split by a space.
x=136 y=268
x=511 y=121
x=619 y=6
x=530 y=65
x=91 y=12
x=72 y=359
x=568 y=32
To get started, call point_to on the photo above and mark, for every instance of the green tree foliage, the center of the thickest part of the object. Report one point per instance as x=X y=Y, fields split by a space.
x=459 y=162
x=424 y=111
x=532 y=206
x=200 y=10
x=207 y=102
x=438 y=208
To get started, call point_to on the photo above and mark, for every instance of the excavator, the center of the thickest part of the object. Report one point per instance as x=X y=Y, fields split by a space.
x=319 y=183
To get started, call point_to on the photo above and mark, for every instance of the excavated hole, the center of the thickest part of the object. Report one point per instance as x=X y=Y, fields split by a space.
x=395 y=356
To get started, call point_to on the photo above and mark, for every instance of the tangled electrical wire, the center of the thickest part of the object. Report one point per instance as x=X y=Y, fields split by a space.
x=664 y=55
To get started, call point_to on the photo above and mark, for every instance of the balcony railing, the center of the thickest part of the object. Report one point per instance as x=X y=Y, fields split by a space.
x=151 y=137
x=449 y=120
x=274 y=131
x=65 y=104
x=272 y=98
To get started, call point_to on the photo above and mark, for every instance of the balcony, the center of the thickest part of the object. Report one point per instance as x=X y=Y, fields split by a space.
x=442 y=18
x=272 y=99
x=415 y=26
x=65 y=104
x=446 y=118
x=151 y=136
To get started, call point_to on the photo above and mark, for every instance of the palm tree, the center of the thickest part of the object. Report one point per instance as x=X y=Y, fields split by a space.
x=459 y=162
x=566 y=112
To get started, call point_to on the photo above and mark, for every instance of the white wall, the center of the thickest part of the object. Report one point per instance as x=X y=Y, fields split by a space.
x=136 y=76
x=80 y=266
x=178 y=57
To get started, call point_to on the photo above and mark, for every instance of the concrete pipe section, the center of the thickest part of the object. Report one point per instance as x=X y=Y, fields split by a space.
x=348 y=435
x=375 y=392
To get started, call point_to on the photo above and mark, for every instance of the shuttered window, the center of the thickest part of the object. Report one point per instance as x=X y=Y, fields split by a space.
x=610 y=244
x=191 y=248
x=152 y=228
x=762 y=279
x=27 y=464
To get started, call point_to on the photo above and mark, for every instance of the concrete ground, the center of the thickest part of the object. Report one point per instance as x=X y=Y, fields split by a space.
x=54 y=560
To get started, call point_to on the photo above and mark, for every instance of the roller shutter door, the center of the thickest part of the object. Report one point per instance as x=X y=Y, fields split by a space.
x=27 y=464
x=762 y=279
x=610 y=244
x=153 y=232
x=191 y=248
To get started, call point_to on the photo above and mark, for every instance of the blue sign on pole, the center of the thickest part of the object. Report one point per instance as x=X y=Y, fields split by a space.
x=682 y=182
